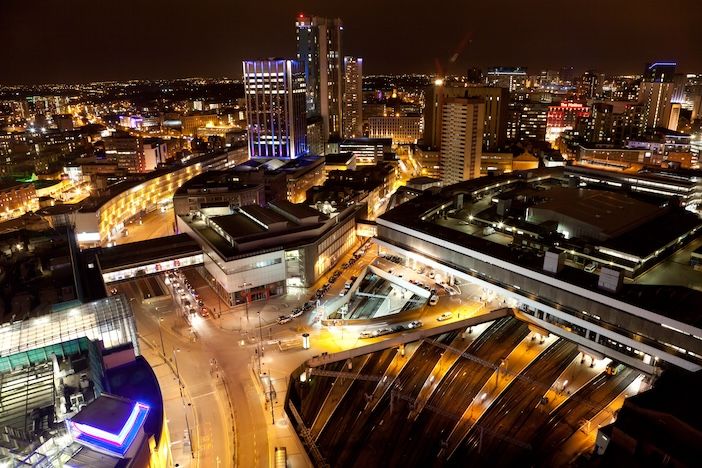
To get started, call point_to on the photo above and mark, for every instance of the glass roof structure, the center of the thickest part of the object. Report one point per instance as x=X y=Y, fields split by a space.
x=109 y=320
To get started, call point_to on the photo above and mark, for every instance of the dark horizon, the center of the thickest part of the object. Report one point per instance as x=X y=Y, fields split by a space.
x=45 y=42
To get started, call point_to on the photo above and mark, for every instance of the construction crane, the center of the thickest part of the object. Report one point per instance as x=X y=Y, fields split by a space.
x=462 y=44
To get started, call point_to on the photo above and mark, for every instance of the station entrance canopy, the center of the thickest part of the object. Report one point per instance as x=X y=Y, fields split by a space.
x=136 y=259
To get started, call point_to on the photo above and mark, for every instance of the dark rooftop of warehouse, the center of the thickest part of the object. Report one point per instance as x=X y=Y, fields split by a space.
x=613 y=213
x=648 y=237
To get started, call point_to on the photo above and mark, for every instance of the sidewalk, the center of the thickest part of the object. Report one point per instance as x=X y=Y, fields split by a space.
x=272 y=388
x=174 y=409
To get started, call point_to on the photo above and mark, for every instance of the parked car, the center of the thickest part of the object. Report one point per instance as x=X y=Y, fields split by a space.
x=297 y=311
x=433 y=300
x=591 y=267
x=444 y=316
x=284 y=319
x=204 y=312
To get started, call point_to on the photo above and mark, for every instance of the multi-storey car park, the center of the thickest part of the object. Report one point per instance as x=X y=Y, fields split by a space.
x=603 y=267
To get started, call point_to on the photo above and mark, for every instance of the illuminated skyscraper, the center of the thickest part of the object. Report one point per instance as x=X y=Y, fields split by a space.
x=275 y=108
x=656 y=92
x=353 y=97
x=461 y=138
x=319 y=51
x=495 y=115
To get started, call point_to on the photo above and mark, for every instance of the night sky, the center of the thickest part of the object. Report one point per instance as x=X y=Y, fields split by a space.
x=51 y=41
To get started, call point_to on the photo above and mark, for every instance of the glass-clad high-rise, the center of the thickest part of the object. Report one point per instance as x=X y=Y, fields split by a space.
x=275 y=108
x=319 y=52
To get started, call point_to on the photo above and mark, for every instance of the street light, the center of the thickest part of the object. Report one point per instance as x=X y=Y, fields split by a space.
x=246 y=297
x=260 y=342
x=160 y=333
x=180 y=387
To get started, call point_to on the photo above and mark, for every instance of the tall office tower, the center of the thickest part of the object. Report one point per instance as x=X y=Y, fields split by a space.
x=564 y=116
x=598 y=127
x=435 y=95
x=589 y=85
x=127 y=151
x=532 y=121
x=495 y=122
x=353 y=97
x=656 y=92
x=275 y=108
x=319 y=50
x=461 y=139
x=512 y=78
x=678 y=94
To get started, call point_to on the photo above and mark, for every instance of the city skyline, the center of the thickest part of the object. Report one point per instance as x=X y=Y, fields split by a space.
x=166 y=42
x=300 y=234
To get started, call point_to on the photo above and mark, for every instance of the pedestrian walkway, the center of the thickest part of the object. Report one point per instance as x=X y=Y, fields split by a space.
x=175 y=409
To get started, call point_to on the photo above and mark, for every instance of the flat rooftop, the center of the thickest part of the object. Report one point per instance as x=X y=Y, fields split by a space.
x=367 y=141
x=679 y=303
x=274 y=165
x=422 y=180
x=238 y=225
x=109 y=413
x=146 y=252
x=299 y=211
x=213 y=180
x=613 y=213
x=338 y=158
x=257 y=229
